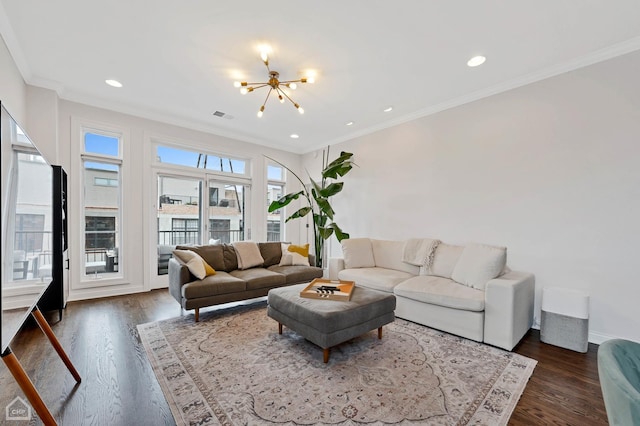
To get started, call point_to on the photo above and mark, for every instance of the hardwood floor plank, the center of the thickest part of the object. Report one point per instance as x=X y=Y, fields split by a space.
x=119 y=387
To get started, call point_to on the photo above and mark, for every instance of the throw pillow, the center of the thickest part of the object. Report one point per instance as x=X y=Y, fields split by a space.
x=248 y=254
x=293 y=255
x=271 y=253
x=444 y=261
x=196 y=264
x=478 y=264
x=358 y=253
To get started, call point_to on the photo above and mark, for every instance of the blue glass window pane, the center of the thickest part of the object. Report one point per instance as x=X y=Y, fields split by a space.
x=101 y=144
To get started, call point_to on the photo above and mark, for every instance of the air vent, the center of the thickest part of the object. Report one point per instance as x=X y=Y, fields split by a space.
x=223 y=115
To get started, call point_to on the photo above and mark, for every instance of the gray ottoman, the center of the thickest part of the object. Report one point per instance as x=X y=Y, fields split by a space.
x=330 y=322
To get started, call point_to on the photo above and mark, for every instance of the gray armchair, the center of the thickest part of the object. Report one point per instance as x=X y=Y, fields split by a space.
x=619 y=370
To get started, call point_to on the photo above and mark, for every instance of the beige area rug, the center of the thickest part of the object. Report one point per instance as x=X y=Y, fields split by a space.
x=234 y=368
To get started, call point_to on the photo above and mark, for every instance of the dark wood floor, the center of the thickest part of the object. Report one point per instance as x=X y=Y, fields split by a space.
x=119 y=388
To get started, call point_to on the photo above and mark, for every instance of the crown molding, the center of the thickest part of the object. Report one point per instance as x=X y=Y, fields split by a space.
x=170 y=119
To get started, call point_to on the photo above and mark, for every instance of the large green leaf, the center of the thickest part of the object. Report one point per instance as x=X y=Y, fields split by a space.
x=339 y=234
x=319 y=219
x=315 y=188
x=336 y=170
x=300 y=213
x=344 y=156
x=331 y=190
x=325 y=207
x=325 y=232
x=284 y=201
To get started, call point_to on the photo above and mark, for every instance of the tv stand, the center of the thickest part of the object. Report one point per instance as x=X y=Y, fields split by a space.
x=14 y=366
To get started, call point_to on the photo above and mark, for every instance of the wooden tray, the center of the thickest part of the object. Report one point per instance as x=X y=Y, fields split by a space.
x=343 y=291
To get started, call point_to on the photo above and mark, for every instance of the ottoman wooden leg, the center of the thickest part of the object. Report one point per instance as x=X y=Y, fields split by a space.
x=325 y=355
x=379 y=332
x=279 y=328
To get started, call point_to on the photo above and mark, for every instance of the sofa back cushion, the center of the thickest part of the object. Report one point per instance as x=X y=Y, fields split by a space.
x=388 y=254
x=478 y=264
x=271 y=253
x=212 y=254
x=444 y=261
x=230 y=258
x=358 y=253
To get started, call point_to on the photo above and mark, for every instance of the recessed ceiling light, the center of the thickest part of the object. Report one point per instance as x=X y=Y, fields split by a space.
x=349 y=123
x=388 y=109
x=294 y=136
x=113 y=83
x=476 y=60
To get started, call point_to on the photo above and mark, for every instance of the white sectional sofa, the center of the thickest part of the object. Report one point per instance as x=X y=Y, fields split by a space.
x=464 y=290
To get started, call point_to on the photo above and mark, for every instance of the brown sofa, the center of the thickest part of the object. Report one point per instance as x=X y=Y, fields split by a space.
x=230 y=284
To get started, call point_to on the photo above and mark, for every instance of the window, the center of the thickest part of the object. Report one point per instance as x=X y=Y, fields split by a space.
x=220 y=229
x=100 y=233
x=100 y=181
x=102 y=203
x=273 y=230
x=183 y=157
x=185 y=231
x=275 y=190
x=29 y=232
x=213 y=197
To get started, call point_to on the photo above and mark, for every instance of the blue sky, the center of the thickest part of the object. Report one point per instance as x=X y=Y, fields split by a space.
x=108 y=145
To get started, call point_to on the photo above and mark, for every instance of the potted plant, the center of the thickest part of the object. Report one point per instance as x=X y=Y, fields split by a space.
x=317 y=197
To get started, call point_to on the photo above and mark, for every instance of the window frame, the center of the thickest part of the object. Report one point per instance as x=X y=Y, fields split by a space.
x=108 y=277
x=282 y=183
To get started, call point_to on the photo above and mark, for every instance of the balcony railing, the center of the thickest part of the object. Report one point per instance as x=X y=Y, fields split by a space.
x=32 y=257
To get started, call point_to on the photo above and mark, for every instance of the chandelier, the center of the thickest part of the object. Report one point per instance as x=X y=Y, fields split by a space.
x=275 y=86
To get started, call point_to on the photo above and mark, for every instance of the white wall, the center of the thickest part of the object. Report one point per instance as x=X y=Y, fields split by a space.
x=12 y=87
x=550 y=170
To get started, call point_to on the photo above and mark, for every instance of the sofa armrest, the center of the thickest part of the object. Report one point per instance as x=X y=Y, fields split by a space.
x=336 y=264
x=508 y=309
x=179 y=275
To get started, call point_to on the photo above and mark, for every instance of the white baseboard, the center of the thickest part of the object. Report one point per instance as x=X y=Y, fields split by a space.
x=98 y=292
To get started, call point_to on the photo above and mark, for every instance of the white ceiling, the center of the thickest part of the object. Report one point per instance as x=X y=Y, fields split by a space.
x=178 y=59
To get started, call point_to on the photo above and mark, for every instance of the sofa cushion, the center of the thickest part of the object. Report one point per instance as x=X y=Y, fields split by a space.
x=294 y=255
x=444 y=261
x=248 y=254
x=256 y=278
x=196 y=264
x=375 y=278
x=478 y=264
x=212 y=254
x=220 y=283
x=358 y=253
x=388 y=254
x=442 y=292
x=230 y=258
x=271 y=252
x=297 y=274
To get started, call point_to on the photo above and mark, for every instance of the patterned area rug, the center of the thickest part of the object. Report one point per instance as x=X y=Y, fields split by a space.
x=234 y=368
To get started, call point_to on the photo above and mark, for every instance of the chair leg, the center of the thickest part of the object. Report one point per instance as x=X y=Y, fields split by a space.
x=197 y=314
